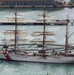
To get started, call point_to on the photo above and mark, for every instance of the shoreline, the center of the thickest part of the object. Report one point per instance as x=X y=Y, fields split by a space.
x=37 y=6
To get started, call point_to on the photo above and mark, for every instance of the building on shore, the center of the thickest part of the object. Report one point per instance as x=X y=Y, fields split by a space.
x=30 y=3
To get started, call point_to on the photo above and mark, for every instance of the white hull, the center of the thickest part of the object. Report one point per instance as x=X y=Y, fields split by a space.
x=44 y=60
x=30 y=58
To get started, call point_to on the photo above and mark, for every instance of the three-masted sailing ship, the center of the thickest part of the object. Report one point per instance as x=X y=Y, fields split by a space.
x=17 y=55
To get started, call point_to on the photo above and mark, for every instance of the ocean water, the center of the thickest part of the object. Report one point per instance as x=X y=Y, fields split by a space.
x=27 y=68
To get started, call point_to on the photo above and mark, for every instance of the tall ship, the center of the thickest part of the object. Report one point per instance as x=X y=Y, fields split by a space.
x=31 y=3
x=12 y=53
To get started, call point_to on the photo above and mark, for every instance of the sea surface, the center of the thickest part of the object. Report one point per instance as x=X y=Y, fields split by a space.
x=27 y=68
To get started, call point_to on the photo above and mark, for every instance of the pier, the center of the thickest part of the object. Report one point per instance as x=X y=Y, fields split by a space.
x=33 y=22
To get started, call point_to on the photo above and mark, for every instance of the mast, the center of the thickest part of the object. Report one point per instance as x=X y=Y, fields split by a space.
x=15 y=30
x=44 y=15
x=42 y=33
x=66 y=41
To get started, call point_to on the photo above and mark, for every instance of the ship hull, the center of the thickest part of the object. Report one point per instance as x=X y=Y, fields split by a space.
x=38 y=59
